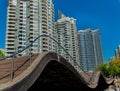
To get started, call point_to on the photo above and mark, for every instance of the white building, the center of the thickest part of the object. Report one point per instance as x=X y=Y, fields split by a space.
x=67 y=38
x=27 y=19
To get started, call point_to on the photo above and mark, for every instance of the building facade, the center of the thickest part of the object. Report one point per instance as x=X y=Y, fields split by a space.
x=27 y=19
x=117 y=52
x=67 y=38
x=90 y=50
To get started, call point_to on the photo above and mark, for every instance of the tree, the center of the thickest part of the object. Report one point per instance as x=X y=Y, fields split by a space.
x=113 y=70
x=114 y=66
x=110 y=69
x=2 y=55
x=103 y=68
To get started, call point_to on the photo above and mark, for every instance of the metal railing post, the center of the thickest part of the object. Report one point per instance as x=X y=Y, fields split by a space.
x=30 y=56
x=12 y=67
x=58 y=58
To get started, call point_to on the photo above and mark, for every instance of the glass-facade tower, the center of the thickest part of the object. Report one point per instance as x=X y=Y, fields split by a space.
x=90 y=50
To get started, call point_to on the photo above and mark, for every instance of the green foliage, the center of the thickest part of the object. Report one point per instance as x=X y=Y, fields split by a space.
x=2 y=55
x=114 y=66
x=110 y=69
x=103 y=68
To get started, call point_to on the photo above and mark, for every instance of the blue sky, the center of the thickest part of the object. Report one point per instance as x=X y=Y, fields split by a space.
x=3 y=11
x=94 y=14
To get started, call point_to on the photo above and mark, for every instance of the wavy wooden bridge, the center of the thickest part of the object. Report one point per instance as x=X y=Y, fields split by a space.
x=47 y=70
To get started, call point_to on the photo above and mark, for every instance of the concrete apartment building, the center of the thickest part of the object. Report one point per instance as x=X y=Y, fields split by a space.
x=90 y=50
x=117 y=52
x=27 y=19
x=67 y=37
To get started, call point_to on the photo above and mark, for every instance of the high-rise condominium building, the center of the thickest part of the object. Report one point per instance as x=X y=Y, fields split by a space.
x=90 y=50
x=27 y=19
x=67 y=38
x=117 y=52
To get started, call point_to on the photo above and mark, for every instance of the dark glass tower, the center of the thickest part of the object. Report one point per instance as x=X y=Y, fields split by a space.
x=90 y=50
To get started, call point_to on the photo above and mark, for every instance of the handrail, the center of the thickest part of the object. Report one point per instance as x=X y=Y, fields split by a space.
x=19 y=51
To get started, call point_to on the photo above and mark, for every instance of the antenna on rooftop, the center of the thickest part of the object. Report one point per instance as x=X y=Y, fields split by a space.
x=60 y=14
